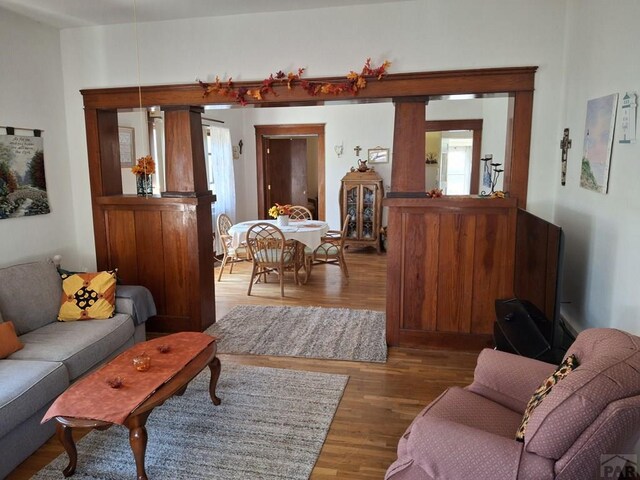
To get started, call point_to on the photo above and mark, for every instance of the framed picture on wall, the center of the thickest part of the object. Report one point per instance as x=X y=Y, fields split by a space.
x=127 y=146
x=378 y=155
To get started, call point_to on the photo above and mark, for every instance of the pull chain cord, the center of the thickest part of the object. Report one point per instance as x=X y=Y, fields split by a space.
x=135 y=27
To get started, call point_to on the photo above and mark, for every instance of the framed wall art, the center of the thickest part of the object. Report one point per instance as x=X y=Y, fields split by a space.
x=598 y=140
x=378 y=155
x=127 y=146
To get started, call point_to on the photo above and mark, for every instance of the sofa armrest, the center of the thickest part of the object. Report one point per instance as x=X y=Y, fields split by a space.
x=508 y=379
x=442 y=449
x=136 y=301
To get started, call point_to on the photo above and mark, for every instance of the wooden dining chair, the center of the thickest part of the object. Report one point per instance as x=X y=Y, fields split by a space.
x=270 y=252
x=231 y=255
x=330 y=251
x=298 y=212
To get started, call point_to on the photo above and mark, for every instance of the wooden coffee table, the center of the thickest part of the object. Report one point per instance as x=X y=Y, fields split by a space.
x=137 y=419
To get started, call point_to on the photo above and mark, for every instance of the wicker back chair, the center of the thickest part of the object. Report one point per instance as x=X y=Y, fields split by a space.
x=331 y=251
x=298 y=212
x=231 y=255
x=270 y=252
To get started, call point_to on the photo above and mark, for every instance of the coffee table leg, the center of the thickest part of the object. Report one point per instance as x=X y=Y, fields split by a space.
x=215 y=367
x=66 y=439
x=138 y=441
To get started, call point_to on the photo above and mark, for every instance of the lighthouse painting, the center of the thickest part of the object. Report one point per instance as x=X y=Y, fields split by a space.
x=598 y=140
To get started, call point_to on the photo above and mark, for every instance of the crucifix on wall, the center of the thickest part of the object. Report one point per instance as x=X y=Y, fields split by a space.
x=357 y=150
x=565 y=145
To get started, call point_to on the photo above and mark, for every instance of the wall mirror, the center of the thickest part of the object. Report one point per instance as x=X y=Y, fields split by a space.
x=458 y=132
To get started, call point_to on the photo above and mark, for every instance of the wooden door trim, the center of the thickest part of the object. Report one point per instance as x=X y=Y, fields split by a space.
x=263 y=131
x=473 y=124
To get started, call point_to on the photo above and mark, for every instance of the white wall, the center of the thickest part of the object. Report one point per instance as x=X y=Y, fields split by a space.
x=331 y=41
x=30 y=97
x=602 y=254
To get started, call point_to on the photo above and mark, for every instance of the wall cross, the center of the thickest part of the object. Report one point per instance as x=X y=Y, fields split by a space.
x=357 y=150
x=565 y=145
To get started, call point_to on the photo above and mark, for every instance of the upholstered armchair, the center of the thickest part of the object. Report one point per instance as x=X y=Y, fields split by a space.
x=470 y=432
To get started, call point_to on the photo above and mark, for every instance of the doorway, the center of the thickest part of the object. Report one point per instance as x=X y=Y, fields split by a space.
x=284 y=174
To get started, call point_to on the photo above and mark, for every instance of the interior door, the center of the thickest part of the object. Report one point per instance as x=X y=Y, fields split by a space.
x=286 y=171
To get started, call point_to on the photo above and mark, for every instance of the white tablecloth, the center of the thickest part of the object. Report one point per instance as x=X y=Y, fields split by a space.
x=309 y=232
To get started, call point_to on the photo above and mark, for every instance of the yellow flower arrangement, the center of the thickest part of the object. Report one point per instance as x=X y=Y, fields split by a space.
x=144 y=165
x=278 y=210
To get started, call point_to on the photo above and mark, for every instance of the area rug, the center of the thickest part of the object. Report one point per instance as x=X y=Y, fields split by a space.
x=315 y=332
x=271 y=425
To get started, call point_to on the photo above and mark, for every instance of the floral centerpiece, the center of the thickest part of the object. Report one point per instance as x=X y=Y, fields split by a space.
x=144 y=168
x=281 y=213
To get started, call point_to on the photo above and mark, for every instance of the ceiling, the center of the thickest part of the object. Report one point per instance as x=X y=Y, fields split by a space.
x=79 y=13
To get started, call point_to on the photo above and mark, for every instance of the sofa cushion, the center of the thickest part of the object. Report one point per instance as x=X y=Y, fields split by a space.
x=86 y=296
x=79 y=345
x=26 y=387
x=9 y=342
x=30 y=295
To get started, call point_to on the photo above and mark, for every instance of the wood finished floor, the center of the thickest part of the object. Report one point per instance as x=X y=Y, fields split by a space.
x=380 y=399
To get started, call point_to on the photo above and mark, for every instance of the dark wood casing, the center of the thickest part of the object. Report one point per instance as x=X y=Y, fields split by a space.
x=471 y=273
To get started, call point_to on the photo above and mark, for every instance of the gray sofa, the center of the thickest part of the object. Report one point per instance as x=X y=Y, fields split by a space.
x=55 y=353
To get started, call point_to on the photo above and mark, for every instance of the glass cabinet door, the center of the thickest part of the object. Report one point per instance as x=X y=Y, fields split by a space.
x=351 y=203
x=368 y=211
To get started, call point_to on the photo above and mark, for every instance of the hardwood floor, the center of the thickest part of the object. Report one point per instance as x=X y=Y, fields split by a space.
x=380 y=399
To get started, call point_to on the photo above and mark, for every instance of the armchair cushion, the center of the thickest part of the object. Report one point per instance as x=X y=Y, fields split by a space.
x=511 y=386
x=429 y=444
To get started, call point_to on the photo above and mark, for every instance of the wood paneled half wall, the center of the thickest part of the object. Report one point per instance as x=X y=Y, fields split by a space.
x=448 y=259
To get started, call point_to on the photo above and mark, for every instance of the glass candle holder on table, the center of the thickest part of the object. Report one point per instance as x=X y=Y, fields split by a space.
x=142 y=362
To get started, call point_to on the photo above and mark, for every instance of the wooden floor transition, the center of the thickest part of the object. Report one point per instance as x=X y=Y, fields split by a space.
x=380 y=399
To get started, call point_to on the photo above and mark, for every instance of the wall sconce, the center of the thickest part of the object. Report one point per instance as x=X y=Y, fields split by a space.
x=339 y=149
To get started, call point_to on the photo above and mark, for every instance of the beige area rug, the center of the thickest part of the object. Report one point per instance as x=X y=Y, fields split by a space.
x=314 y=332
x=271 y=425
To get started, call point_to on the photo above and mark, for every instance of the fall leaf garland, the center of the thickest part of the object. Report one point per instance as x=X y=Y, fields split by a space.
x=353 y=84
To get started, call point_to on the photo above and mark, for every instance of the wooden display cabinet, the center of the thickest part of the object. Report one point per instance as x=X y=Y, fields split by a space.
x=361 y=197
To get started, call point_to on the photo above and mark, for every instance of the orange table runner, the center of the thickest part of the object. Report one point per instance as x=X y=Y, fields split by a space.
x=92 y=398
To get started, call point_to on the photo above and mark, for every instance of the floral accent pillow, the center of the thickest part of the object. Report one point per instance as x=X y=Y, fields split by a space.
x=569 y=364
x=87 y=296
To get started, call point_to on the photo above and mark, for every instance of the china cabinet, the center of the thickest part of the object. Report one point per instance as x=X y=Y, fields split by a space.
x=361 y=197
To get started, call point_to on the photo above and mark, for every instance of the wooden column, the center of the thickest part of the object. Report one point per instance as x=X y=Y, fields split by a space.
x=184 y=152
x=103 y=147
x=516 y=163
x=407 y=175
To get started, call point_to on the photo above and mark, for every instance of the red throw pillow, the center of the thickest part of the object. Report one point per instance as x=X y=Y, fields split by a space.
x=9 y=342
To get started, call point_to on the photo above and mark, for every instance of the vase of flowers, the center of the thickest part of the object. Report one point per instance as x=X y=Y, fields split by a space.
x=144 y=169
x=281 y=214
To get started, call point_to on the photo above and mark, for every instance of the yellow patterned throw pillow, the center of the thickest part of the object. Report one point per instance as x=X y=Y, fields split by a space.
x=87 y=296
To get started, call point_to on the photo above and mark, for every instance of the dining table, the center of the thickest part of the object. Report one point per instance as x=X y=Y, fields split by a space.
x=307 y=233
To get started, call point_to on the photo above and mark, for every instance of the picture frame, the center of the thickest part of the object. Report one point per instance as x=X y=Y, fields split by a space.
x=126 y=136
x=378 y=155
